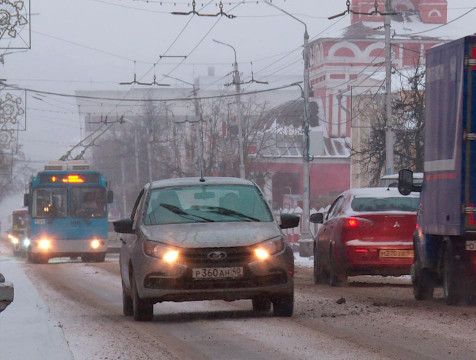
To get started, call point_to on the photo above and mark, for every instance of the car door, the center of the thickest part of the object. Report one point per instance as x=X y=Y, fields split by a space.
x=129 y=240
x=325 y=234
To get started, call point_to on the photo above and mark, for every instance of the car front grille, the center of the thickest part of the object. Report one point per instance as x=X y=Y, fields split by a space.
x=234 y=255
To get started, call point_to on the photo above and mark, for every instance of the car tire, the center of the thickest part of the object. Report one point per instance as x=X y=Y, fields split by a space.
x=283 y=305
x=127 y=306
x=143 y=310
x=451 y=286
x=319 y=274
x=261 y=304
x=334 y=277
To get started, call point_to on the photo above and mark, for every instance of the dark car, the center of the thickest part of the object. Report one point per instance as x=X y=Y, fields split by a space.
x=204 y=239
x=366 y=232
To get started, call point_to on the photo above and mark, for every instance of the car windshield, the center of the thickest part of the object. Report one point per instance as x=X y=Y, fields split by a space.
x=206 y=203
x=88 y=202
x=375 y=204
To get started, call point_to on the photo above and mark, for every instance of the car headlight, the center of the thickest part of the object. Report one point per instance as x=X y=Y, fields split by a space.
x=161 y=251
x=269 y=247
x=26 y=242
x=14 y=240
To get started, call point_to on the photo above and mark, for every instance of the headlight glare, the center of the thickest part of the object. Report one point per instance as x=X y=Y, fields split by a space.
x=26 y=242
x=95 y=244
x=44 y=244
x=161 y=251
x=14 y=240
x=269 y=247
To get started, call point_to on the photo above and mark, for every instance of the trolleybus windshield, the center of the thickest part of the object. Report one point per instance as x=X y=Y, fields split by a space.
x=49 y=202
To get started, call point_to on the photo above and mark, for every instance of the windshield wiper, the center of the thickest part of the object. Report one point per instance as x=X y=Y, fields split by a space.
x=228 y=212
x=180 y=212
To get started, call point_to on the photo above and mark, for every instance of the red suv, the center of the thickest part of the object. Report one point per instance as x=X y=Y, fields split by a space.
x=366 y=232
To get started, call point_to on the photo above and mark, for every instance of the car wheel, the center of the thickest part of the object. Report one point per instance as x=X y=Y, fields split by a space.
x=450 y=284
x=143 y=310
x=127 y=306
x=261 y=304
x=283 y=306
x=334 y=277
x=319 y=274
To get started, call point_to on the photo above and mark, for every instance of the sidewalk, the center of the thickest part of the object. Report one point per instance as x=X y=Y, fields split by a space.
x=27 y=330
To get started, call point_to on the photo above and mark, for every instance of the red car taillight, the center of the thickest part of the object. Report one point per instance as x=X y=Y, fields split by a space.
x=354 y=222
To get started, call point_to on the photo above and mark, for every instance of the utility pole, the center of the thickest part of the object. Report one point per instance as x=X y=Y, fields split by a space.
x=236 y=80
x=136 y=155
x=389 y=141
x=240 y=119
x=124 y=200
x=306 y=242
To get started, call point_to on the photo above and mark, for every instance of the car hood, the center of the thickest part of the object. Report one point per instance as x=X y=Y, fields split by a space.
x=223 y=234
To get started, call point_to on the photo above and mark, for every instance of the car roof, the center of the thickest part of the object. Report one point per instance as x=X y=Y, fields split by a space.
x=196 y=181
x=379 y=192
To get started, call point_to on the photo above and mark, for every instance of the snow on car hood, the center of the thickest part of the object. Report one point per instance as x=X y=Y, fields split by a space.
x=220 y=234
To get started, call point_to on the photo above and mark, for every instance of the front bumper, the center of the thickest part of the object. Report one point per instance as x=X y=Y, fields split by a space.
x=70 y=247
x=160 y=281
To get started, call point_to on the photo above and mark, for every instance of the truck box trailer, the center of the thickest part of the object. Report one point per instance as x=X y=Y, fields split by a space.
x=445 y=241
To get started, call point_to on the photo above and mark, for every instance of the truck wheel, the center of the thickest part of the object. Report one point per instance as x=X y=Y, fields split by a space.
x=450 y=283
x=423 y=286
x=283 y=306
x=143 y=310
x=261 y=304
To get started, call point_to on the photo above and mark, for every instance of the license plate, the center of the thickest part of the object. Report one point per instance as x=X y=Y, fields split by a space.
x=471 y=245
x=217 y=273
x=389 y=253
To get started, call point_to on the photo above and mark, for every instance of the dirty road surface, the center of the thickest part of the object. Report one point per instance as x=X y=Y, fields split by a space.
x=369 y=318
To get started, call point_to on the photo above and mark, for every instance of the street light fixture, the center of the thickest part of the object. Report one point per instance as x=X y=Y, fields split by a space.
x=306 y=238
x=237 y=81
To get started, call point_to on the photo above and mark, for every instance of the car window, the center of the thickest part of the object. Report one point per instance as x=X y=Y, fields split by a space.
x=206 y=203
x=334 y=209
x=377 y=204
x=136 y=210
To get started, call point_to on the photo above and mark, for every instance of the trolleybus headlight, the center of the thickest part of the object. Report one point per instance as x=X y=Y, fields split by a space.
x=26 y=242
x=44 y=244
x=95 y=244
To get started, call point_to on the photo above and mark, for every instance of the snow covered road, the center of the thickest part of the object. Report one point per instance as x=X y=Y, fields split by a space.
x=378 y=320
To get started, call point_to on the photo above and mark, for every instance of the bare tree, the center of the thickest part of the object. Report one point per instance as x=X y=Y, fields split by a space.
x=408 y=126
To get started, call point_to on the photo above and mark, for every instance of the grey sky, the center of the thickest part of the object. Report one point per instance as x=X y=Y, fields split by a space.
x=143 y=31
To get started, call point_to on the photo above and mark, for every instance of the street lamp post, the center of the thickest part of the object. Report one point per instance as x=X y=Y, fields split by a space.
x=305 y=244
x=237 y=81
x=198 y=120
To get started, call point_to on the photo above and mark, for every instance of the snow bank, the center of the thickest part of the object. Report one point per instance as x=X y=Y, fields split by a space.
x=27 y=330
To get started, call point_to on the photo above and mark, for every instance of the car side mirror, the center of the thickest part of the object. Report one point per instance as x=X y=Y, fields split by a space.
x=110 y=196
x=405 y=181
x=317 y=218
x=123 y=226
x=26 y=199
x=289 y=221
